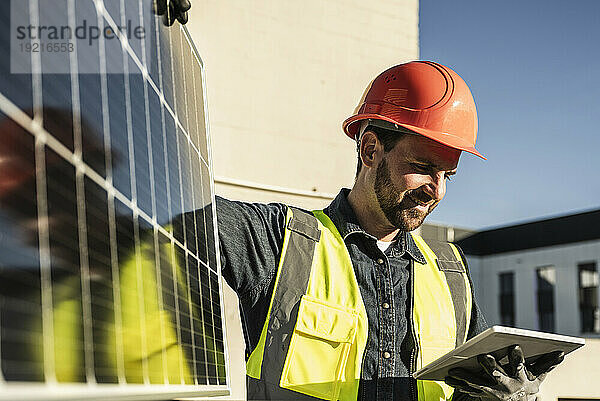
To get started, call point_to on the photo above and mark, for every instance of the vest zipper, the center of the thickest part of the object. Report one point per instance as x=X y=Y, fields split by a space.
x=415 y=350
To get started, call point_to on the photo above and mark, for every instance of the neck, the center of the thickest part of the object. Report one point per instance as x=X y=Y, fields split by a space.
x=369 y=214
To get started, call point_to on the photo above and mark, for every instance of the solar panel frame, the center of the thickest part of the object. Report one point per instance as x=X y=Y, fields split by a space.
x=45 y=142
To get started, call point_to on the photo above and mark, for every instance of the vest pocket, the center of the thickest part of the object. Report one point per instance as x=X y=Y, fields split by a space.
x=319 y=348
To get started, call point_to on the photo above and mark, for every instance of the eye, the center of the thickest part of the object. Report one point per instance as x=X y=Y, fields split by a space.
x=420 y=167
x=448 y=176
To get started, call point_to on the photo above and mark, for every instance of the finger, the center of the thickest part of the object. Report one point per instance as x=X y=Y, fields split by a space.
x=462 y=386
x=159 y=6
x=183 y=5
x=546 y=362
x=541 y=378
x=521 y=373
x=456 y=383
x=516 y=361
x=492 y=362
x=183 y=18
x=169 y=16
x=530 y=376
x=471 y=378
x=515 y=355
x=181 y=9
x=459 y=373
x=493 y=369
x=167 y=20
x=488 y=363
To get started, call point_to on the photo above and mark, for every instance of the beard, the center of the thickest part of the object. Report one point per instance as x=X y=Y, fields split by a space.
x=399 y=209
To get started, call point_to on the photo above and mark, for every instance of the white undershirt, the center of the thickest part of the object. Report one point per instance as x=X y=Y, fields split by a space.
x=384 y=245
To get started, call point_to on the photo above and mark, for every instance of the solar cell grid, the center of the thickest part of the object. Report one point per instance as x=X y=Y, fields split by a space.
x=108 y=259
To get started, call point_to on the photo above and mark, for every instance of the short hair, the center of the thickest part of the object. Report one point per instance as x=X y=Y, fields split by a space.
x=388 y=138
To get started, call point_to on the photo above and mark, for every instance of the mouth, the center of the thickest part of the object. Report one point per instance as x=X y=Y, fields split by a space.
x=418 y=203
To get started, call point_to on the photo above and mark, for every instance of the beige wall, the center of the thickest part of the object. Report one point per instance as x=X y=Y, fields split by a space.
x=282 y=75
x=577 y=377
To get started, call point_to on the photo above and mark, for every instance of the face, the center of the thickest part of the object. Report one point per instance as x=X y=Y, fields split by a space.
x=410 y=180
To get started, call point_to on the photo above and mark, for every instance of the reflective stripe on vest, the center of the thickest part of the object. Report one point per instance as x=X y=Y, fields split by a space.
x=315 y=333
x=442 y=309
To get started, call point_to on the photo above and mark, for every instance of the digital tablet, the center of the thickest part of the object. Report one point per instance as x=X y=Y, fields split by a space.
x=496 y=340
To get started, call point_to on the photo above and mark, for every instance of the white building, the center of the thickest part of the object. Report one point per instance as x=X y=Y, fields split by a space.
x=543 y=275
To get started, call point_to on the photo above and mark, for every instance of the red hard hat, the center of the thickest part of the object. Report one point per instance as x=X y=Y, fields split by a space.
x=424 y=97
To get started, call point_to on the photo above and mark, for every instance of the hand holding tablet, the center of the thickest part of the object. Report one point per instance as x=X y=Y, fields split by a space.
x=501 y=363
x=514 y=381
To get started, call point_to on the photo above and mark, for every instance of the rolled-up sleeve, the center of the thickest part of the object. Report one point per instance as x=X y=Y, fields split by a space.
x=250 y=240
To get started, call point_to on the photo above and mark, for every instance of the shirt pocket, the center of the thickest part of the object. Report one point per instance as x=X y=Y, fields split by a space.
x=319 y=348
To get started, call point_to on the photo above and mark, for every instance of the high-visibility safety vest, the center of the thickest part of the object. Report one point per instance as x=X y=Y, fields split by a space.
x=315 y=334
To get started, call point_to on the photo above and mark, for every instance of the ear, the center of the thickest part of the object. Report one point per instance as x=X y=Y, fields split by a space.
x=370 y=149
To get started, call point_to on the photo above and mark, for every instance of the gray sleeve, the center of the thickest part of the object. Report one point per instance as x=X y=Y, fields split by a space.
x=250 y=241
x=478 y=323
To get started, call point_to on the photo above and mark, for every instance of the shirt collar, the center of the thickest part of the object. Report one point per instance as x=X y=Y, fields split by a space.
x=345 y=220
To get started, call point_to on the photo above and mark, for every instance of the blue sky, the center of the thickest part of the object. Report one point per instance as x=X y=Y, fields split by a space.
x=534 y=69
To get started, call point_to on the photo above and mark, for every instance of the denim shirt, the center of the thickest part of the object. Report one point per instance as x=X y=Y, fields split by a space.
x=251 y=238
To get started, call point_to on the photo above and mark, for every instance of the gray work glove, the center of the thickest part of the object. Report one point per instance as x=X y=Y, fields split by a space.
x=513 y=382
x=172 y=10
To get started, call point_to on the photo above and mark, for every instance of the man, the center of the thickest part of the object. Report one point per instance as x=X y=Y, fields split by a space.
x=346 y=303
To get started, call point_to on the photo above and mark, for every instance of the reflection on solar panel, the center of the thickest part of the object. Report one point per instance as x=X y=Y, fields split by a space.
x=109 y=281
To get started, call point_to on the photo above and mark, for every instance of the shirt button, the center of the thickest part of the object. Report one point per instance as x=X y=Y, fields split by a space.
x=387 y=355
x=380 y=261
x=386 y=305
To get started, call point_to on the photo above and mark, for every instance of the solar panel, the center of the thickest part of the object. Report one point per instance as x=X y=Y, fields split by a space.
x=110 y=284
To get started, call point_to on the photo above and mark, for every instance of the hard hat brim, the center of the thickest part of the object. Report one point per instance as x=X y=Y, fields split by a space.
x=350 y=127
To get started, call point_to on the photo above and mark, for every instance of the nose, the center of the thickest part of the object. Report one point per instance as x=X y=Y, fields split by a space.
x=436 y=187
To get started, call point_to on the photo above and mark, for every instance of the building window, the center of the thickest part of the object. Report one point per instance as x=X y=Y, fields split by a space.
x=588 y=297
x=546 y=280
x=507 y=298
